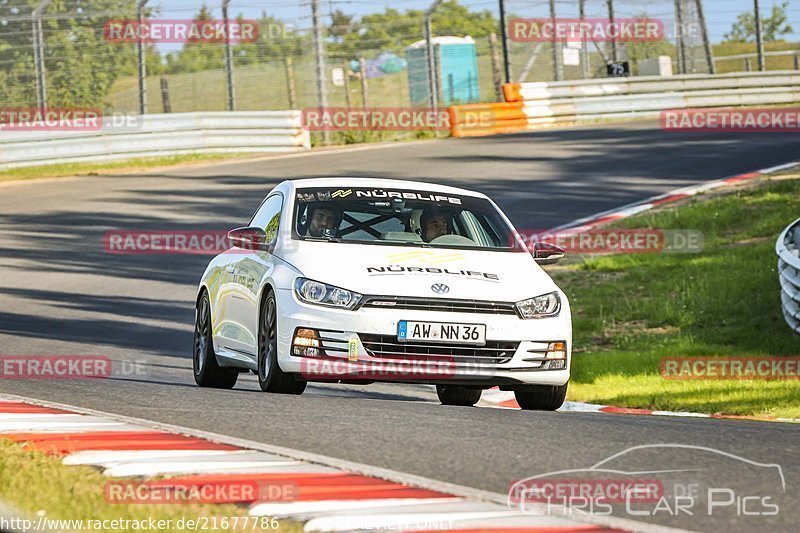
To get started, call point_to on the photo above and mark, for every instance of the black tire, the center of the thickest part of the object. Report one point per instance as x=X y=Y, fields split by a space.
x=207 y=372
x=270 y=376
x=543 y=398
x=457 y=395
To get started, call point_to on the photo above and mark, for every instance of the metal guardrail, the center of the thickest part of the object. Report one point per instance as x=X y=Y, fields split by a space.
x=158 y=135
x=536 y=105
x=788 y=250
x=748 y=65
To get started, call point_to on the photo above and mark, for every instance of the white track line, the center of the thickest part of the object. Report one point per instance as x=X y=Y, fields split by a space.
x=28 y=426
x=303 y=510
x=46 y=417
x=210 y=466
x=411 y=521
x=680 y=413
x=580 y=407
x=106 y=458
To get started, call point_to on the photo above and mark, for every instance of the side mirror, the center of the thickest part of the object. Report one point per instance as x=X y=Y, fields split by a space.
x=249 y=239
x=547 y=254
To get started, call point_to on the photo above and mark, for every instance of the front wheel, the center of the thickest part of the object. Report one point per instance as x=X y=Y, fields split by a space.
x=270 y=376
x=207 y=372
x=541 y=398
x=457 y=395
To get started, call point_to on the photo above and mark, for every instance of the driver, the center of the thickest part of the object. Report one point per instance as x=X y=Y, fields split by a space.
x=324 y=216
x=435 y=222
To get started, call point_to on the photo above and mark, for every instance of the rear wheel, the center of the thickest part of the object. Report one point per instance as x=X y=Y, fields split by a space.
x=457 y=395
x=270 y=376
x=541 y=398
x=207 y=372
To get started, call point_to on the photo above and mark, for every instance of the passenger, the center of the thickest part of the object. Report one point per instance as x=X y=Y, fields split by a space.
x=435 y=222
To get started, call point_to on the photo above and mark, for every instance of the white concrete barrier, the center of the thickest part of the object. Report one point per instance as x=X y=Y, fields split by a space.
x=536 y=105
x=515 y=92
x=647 y=96
x=157 y=135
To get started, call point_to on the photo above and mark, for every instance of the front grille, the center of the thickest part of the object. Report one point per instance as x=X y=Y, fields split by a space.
x=387 y=346
x=439 y=304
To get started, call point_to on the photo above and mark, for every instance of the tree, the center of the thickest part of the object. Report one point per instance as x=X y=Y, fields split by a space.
x=276 y=41
x=342 y=25
x=774 y=26
x=197 y=55
x=343 y=35
x=393 y=30
x=81 y=66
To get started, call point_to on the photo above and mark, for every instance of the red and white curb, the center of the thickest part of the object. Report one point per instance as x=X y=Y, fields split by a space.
x=674 y=196
x=329 y=494
x=497 y=399
x=501 y=399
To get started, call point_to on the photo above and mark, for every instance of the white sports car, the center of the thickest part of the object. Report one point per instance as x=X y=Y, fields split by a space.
x=361 y=280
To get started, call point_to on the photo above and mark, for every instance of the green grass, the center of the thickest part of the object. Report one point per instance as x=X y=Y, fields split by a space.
x=35 y=482
x=632 y=310
x=123 y=166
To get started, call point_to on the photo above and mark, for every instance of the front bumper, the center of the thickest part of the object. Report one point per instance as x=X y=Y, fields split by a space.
x=361 y=346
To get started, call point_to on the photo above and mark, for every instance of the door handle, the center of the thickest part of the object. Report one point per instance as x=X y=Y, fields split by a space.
x=230 y=269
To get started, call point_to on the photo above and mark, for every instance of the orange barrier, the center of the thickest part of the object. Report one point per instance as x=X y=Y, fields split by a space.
x=473 y=120
x=511 y=92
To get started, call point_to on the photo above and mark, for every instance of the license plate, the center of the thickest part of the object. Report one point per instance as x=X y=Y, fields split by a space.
x=474 y=334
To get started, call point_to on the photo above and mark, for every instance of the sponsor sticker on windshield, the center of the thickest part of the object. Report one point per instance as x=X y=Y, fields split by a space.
x=379 y=194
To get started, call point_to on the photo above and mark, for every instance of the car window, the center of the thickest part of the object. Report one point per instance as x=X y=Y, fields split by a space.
x=383 y=227
x=400 y=217
x=474 y=230
x=268 y=216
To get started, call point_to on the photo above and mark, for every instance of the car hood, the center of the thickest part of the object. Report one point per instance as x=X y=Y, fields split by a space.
x=413 y=271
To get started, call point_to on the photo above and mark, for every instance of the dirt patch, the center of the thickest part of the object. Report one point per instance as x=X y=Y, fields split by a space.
x=747 y=242
x=612 y=331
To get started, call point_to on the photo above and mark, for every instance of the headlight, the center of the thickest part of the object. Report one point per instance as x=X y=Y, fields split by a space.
x=543 y=306
x=314 y=292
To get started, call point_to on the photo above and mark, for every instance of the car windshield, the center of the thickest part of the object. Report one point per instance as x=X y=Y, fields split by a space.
x=400 y=217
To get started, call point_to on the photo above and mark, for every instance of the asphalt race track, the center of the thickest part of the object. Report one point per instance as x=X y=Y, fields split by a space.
x=61 y=293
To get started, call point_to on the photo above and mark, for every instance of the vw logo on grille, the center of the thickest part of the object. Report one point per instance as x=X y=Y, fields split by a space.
x=440 y=288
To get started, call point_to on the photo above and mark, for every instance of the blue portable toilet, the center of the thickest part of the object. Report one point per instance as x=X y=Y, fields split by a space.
x=457 y=65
